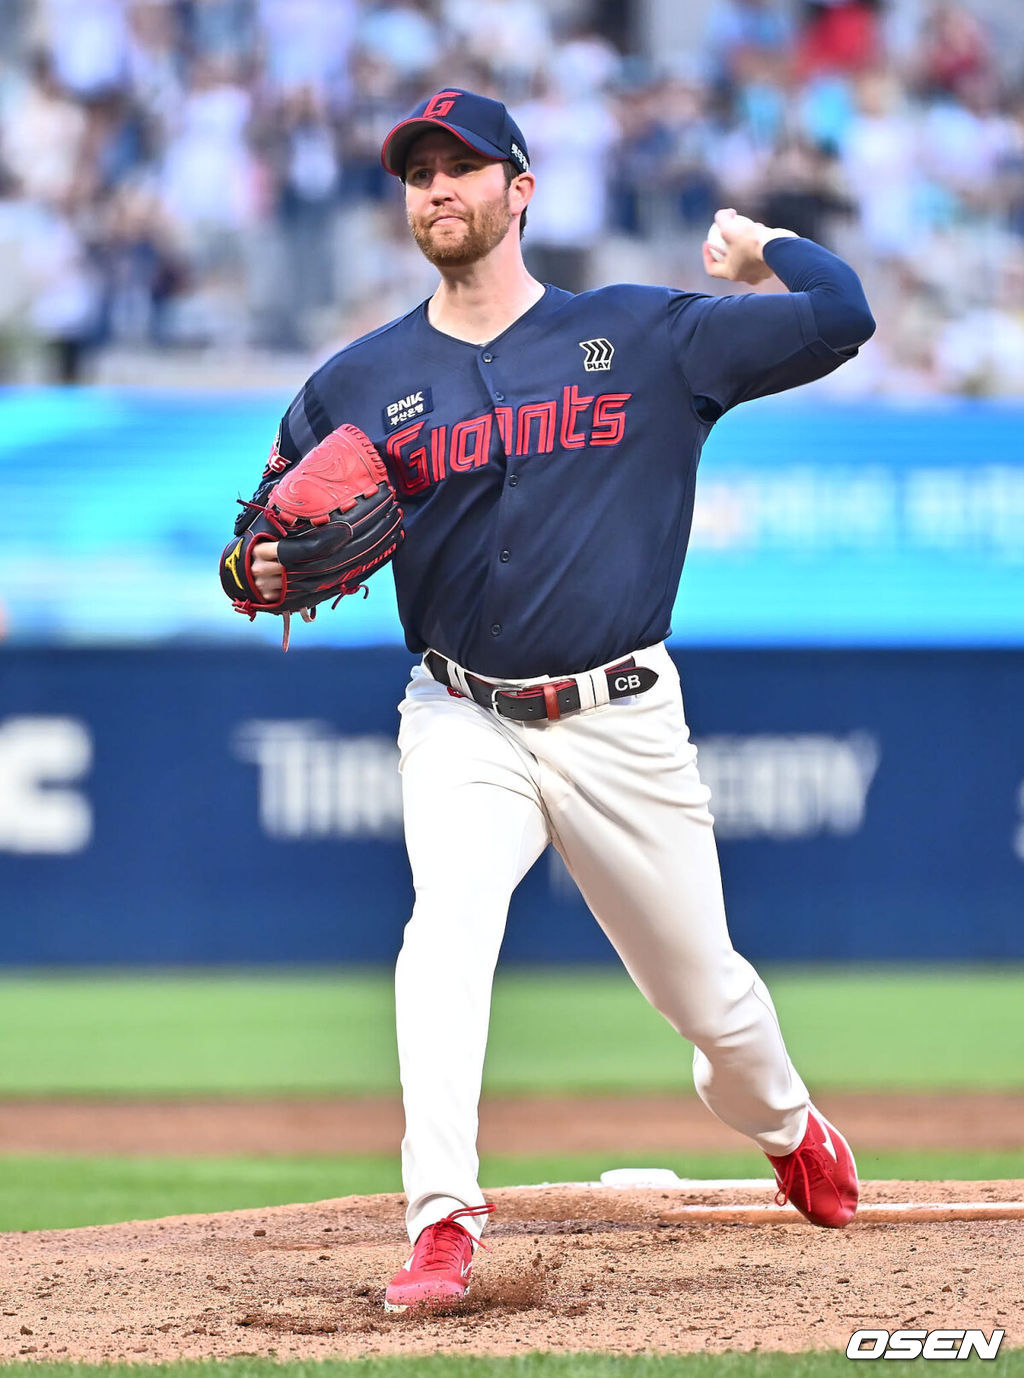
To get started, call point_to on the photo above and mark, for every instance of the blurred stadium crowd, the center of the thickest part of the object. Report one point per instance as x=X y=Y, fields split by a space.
x=196 y=183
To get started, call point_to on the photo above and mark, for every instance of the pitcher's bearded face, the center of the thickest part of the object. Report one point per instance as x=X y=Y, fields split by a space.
x=457 y=203
x=455 y=240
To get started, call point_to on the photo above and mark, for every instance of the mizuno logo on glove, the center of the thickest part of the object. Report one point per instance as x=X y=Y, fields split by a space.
x=231 y=562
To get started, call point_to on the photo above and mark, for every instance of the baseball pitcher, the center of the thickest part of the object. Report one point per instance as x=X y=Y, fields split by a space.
x=543 y=448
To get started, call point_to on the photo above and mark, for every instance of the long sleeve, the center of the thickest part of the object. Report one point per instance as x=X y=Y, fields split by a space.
x=749 y=344
x=832 y=287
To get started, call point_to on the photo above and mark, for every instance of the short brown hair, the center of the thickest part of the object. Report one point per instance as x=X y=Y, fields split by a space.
x=511 y=173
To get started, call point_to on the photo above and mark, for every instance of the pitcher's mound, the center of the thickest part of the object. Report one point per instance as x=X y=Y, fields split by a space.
x=567 y=1268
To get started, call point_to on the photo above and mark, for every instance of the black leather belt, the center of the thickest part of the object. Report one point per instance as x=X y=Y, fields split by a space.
x=537 y=702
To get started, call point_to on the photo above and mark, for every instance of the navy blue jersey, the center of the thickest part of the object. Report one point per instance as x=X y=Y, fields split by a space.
x=548 y=476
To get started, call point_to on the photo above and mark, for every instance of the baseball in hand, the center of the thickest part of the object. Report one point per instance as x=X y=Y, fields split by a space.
x=716 y=241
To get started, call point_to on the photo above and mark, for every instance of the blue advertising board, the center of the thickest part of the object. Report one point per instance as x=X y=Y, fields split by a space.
x=227 y=806
x=816 y=523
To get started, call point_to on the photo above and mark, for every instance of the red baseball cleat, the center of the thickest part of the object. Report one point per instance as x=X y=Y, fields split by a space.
x=438 y=1268
x=819 y=1177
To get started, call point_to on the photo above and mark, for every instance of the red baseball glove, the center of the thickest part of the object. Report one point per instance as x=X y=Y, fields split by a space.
x=335 y=518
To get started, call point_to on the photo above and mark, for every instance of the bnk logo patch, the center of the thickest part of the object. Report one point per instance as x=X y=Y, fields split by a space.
x=407 y=408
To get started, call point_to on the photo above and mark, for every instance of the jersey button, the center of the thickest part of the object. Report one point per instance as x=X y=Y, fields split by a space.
x=495 y=629
x=513 y=479
x=488 y=358
x=499 y=397
x=505 y=556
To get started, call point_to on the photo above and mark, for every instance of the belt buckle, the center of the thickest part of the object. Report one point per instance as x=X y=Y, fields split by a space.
x=501 y=689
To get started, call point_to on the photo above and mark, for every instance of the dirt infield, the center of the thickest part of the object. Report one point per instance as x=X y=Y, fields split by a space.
x=567 y=1269
x=667 y=1125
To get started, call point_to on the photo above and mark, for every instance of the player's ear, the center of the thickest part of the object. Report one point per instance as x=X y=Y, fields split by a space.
x=520 y=191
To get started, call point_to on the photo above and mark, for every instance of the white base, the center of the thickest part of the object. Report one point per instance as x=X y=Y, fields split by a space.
x=631 y=1178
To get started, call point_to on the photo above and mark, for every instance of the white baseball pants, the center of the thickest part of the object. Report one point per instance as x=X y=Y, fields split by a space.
x=616 y=790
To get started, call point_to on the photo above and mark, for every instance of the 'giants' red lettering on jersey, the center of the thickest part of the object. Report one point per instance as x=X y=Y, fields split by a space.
x=531 y=429
x=510 y=427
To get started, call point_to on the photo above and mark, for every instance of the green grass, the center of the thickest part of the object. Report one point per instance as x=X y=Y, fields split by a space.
x=332 y=1032
x=821 y=1364
x=56 y=1191
x=60 y=1191
x=846 y=1029
x=126 y=1034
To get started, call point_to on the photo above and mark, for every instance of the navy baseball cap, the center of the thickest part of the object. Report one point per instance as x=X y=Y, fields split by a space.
x=484 y=125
